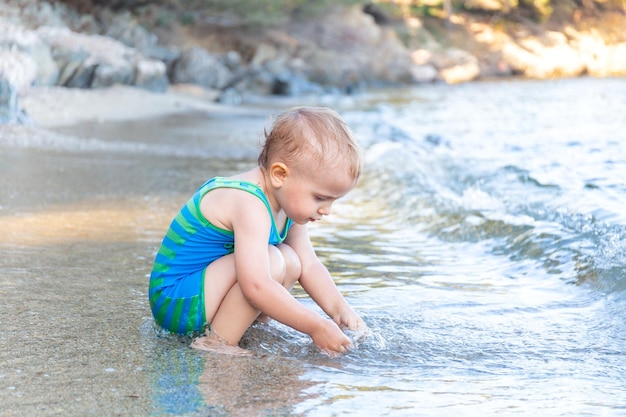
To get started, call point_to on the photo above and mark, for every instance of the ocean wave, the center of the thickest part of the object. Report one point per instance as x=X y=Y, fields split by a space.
x=425 y=184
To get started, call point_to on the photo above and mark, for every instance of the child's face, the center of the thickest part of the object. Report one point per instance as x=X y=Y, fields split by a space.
x=309 y=194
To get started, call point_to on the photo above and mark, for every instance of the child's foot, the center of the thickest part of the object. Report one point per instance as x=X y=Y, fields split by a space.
x=212 y=342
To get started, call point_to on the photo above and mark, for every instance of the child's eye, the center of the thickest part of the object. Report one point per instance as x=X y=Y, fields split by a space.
x=318 y=198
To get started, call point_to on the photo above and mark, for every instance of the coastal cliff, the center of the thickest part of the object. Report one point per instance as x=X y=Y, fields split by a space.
x=153 y=45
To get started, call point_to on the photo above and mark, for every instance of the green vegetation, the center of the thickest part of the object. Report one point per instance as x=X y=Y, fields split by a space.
x=271 y=12
x=268 y=13
x=261 y=12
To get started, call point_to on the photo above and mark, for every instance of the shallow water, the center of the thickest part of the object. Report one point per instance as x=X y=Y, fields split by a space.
x=485 y=248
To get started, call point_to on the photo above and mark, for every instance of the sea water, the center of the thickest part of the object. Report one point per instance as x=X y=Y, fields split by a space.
x=485 y=247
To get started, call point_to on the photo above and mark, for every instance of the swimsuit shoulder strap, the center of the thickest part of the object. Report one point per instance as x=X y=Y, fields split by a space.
x=220 y=182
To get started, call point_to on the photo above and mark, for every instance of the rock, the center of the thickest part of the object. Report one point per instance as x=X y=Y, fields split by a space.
x=348 y=48
x=9 y=110
x=198 y=66
x=106 y=74
x=378 y=14
x=599 y=58
x=149 y=74
x=72 y=73
x=264 y=53
x=34 y=14
x=503 y=6
x=546 y=57
x=166 y=55
x=124 y=28
x=258 y=80
x=292 y=84
x=424 y=73
x=93 y=61
x=462 y=66
x=17 y=73
x=230 y=96
x=615 y=61
x=13 y=37
x=462 y=73
x=18 y=68
x=453 y=65
x=233 y=60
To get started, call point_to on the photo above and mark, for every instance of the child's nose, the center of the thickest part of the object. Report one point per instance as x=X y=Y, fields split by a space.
x=324 y=210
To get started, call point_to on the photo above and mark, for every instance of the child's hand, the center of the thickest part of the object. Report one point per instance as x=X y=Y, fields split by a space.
x=330 y=339
x=348 y=319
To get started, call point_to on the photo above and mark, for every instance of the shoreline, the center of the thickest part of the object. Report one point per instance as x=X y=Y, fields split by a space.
x=73 y=120
x=50 y=107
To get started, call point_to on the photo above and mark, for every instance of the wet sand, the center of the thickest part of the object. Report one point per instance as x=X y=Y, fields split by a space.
x=87 y=193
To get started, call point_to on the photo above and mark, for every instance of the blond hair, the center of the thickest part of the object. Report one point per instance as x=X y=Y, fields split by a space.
x=317 y=134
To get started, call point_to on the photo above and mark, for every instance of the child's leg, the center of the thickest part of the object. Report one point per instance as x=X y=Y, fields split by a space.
x=292 y=274
x=293 y=269
x=235 y=315
x=227 y=310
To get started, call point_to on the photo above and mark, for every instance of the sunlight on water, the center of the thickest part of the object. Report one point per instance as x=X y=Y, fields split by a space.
x=474 y=236
x=92 y=222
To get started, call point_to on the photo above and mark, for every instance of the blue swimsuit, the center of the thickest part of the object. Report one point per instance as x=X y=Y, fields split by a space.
x=177 y=281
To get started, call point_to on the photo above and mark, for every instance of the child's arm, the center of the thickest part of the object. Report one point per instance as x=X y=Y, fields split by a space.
x=318 y=283
x=250 y=222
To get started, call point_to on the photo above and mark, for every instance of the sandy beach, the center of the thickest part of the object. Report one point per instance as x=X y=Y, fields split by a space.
x=56 y=115
x=60 y=106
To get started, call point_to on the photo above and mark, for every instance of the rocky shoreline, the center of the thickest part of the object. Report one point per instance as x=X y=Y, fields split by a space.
x=47 y=44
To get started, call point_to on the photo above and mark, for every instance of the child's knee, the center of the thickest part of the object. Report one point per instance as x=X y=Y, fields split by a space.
x=284 y=264
x=293 y=267
x=278 y=267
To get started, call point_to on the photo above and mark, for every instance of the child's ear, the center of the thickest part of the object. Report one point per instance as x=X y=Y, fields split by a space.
x=278 y=173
